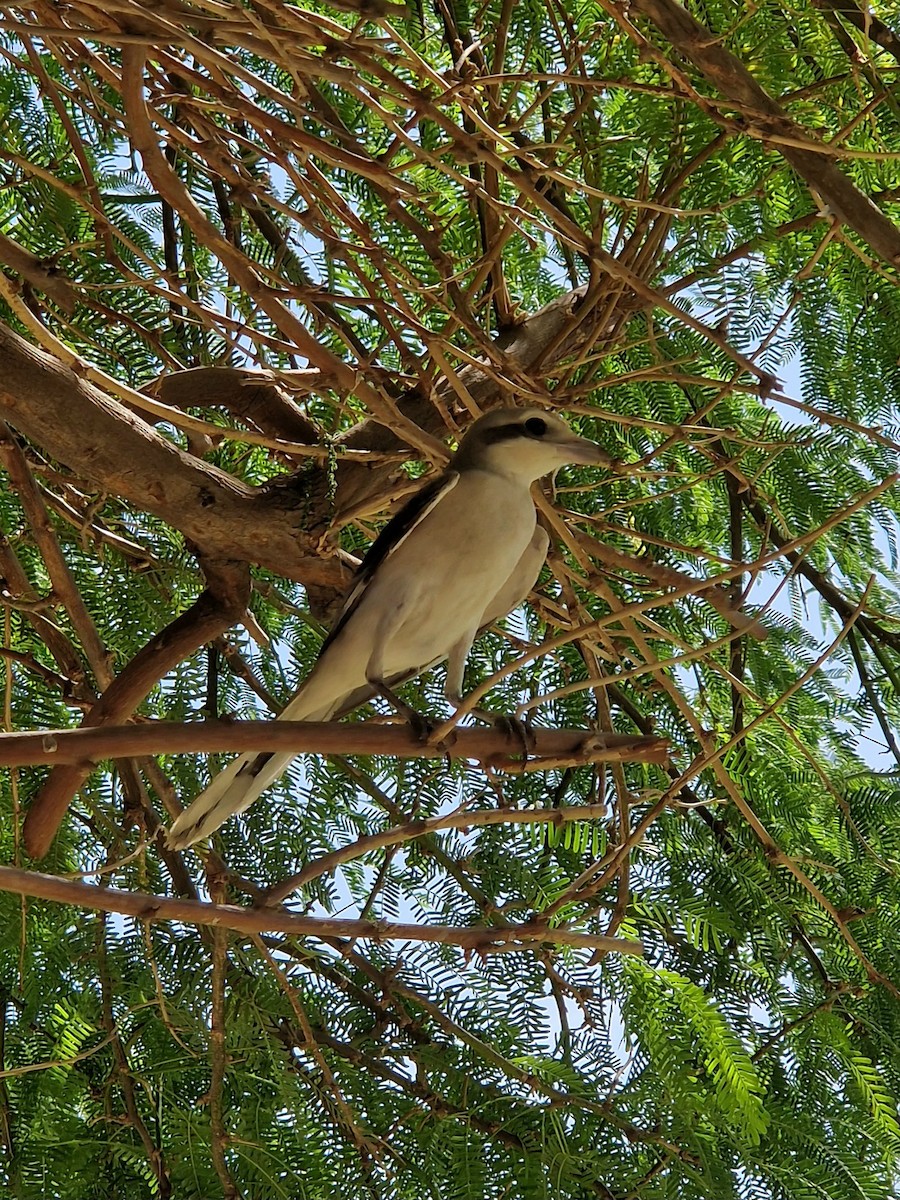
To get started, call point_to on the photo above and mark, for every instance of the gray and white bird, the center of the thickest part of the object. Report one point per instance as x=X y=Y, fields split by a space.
x=464 y=551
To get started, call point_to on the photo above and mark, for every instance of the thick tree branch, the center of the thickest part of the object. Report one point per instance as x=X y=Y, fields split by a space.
x=865 y=21
x=499 y=747
x=248 y=395
x=102 y=441
x=38 y=273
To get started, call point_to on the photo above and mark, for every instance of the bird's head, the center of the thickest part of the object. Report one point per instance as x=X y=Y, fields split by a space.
x=524 y=443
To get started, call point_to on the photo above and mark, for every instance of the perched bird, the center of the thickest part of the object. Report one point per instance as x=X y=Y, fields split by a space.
x=464 y=551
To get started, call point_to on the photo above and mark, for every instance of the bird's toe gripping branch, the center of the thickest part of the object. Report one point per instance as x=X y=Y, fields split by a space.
x=422 y=726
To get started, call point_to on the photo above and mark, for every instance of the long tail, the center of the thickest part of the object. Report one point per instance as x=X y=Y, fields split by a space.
x=247 y=776
x=231 y=791
x=241 y=782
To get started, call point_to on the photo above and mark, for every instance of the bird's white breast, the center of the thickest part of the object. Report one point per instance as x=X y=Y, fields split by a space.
x=437 y=583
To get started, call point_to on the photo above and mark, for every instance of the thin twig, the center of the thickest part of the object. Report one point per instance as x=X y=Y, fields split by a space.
x=466 y=819
x=253 y=920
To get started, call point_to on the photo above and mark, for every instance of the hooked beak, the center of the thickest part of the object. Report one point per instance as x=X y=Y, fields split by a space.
x=588 y=454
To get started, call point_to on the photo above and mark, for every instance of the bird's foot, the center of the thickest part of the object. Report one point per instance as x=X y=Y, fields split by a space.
x=512 y=727
x=421 y=726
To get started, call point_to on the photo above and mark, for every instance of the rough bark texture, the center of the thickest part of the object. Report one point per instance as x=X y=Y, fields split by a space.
x=86 y=746
x=278 y=526
x=100 y=440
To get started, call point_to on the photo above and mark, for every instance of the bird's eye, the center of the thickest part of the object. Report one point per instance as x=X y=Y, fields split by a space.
x=535 y=427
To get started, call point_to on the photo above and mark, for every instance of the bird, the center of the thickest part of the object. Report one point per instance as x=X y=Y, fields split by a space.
x=462 y=552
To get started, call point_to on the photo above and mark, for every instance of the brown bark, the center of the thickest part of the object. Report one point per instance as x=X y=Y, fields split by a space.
x=86 y=746
x=248 y=395
x=218 y=606
x=38 y=273
x=266 y=920
x=105 y=443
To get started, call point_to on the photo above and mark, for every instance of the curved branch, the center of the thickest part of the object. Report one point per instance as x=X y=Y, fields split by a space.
x=219 y=606
x=461 y=819
x=248 y=395
x=728 y=74
x=38 y=273
x=102 y=441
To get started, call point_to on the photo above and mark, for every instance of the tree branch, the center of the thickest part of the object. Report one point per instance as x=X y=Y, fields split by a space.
x=763 y=115
x=16 y=592
x=218 y=606
x=218 y=1051
x=102 y=441
x=461 y=819
x=64 y=586
x=146 y=907
x=499 y=747
x=708 y=589
x=38 y=273
x=249 y=395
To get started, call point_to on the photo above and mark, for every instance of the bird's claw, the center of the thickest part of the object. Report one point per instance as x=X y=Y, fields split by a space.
x=511 y=727
x=514 y=728
x=423 y=727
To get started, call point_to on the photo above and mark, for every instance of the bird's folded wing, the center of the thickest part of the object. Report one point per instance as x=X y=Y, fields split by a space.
x=394 y=534
x=513 y=593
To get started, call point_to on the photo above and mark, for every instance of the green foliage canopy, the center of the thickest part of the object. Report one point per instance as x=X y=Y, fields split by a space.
x=375 y=209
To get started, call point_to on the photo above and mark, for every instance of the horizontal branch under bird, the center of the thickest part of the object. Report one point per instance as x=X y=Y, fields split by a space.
x=499 y=747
